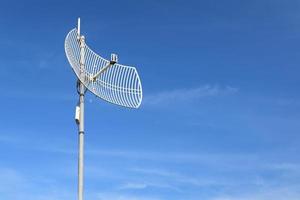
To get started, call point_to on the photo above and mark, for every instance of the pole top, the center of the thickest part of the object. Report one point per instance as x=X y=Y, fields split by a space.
x=78 y=26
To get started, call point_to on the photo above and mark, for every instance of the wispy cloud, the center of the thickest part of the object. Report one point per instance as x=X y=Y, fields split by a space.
x=39 y=95
x=145 y=183
x=16 y=185
x=135 y=186
x=10 y=179
x=179 y=95
x=288 y=192
x=162 y=176
x=227 y=160
x=176 y=178
x=120 y=196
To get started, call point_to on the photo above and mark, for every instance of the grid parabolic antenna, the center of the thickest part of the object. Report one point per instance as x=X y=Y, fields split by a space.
x=113 y=82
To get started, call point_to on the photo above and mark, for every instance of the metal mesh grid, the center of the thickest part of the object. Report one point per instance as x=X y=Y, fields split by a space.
x=119 y=84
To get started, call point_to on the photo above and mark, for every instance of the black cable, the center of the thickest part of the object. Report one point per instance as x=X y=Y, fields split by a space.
x=78 y=86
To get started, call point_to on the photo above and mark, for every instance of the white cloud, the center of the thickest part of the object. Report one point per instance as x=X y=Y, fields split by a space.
x=134 y=186
x=39 y=95
x=10 y=180
x=145 y=183
x=16 y=185
x=179 y=95
x=292 y=167
x=175 y=178
x=120 y=196
x=288 y=192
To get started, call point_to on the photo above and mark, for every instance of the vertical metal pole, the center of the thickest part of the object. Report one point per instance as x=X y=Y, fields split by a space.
x=81 y=117
x=81 y=143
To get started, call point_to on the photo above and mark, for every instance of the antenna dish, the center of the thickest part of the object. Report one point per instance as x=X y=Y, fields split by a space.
x=112 y=82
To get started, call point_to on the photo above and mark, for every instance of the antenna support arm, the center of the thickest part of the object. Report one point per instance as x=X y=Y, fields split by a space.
x=113 y=60
x=93 y=78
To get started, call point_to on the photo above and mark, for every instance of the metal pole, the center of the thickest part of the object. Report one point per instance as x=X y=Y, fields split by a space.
x=81 y=119
x=81 y=143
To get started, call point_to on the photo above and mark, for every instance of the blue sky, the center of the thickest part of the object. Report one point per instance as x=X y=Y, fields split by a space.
x=221 y=108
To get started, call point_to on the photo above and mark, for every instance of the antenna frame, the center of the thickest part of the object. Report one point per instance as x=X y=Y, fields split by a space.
x=121 y=71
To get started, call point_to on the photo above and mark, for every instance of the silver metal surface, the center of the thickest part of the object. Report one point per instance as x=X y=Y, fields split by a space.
x=81 y=120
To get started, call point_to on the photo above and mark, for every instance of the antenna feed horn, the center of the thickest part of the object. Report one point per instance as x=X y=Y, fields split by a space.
x=113 y=58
